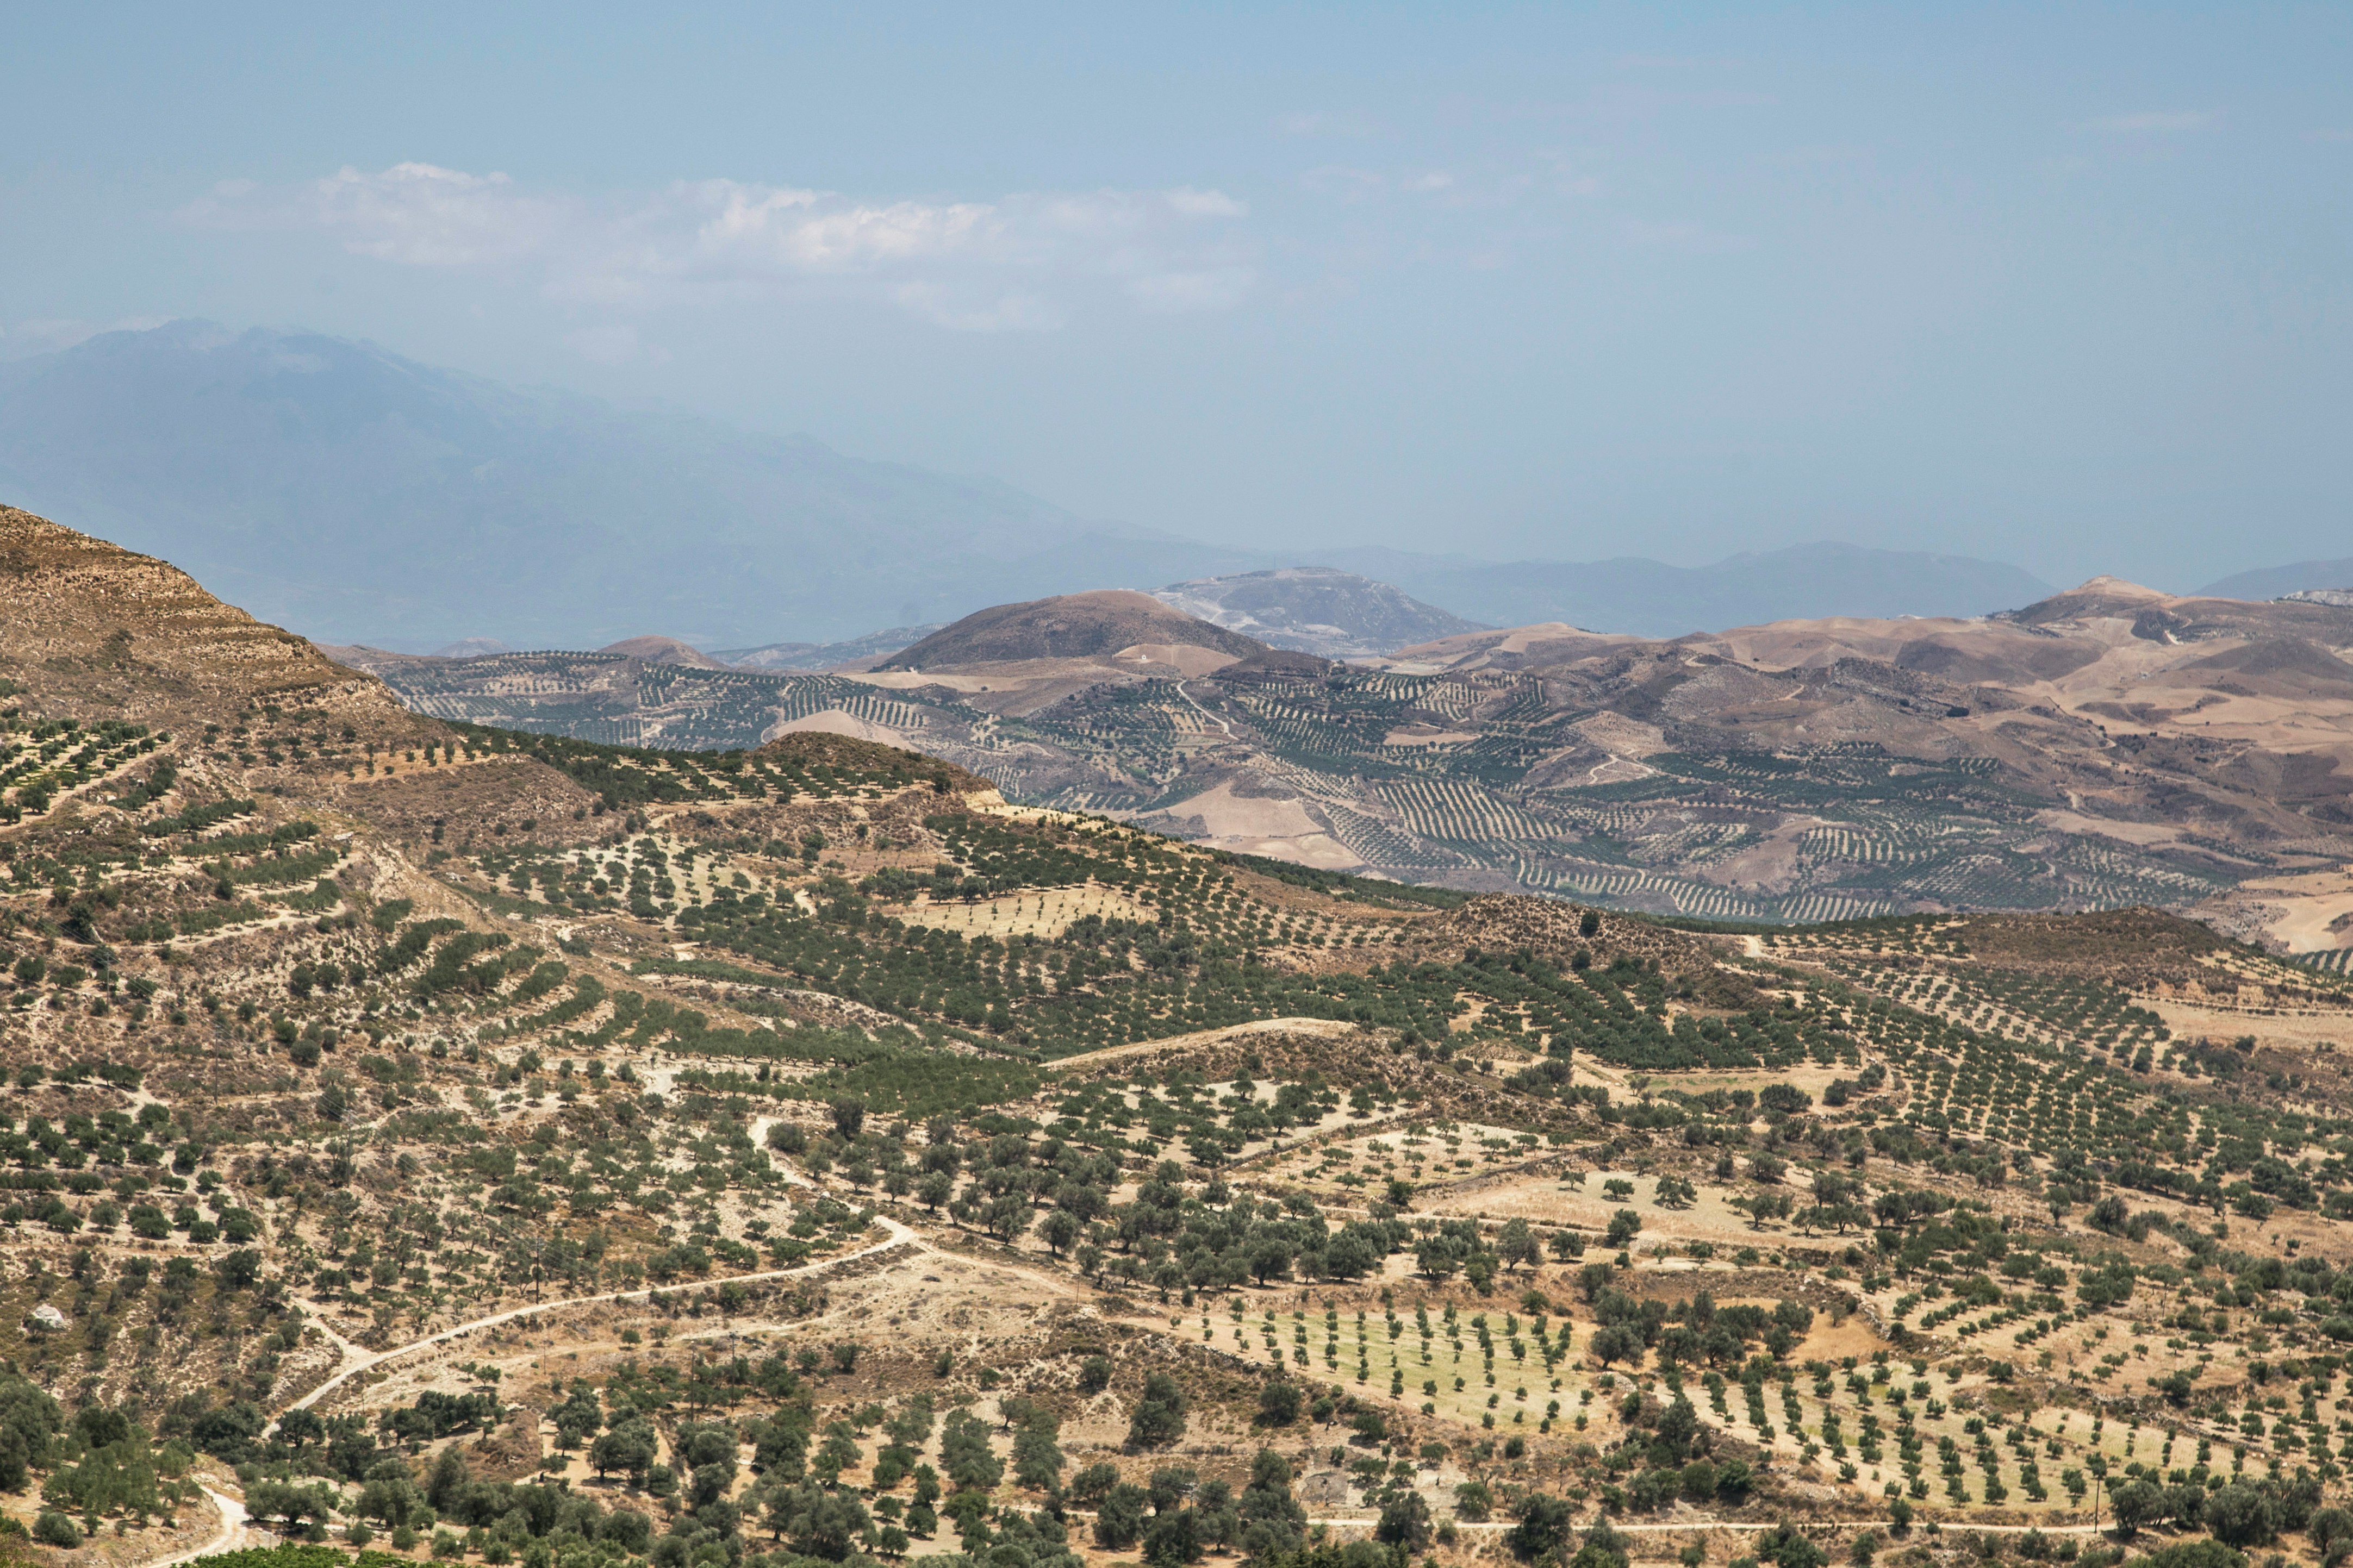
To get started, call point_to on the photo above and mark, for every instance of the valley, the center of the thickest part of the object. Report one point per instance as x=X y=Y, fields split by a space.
x=2103 y=748
x=467 y=1143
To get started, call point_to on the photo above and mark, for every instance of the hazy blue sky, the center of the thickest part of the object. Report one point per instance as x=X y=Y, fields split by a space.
x=2066 y=286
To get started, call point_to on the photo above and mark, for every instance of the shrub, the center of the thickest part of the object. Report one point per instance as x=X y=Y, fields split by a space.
x=54 y=1529
x=2192 y=1554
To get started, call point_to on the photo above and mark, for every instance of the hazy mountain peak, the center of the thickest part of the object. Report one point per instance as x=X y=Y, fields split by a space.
x=338 y=487
x=1637 y=597
x=1315 y=609
x=2283 y=582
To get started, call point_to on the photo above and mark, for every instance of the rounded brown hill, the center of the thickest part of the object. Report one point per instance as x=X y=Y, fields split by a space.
x=662 y=650
x=1070 y=625
x=848 y=754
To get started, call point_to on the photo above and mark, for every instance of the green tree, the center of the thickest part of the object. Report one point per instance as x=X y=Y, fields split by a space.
x=2136 y=1505
x=1279 y=1401
x=1037 y=1453
x=964 y=1453
x=1404 y=1521
x=1516 y=1245
x=817 y=1523
x=1119 y=1518
x=1272 y=1522
x=1543 y=1529
x=1158 y=1418
x=628 y=1447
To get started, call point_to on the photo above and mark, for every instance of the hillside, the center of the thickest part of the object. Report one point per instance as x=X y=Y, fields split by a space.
x=806 y=656
x=796 y=1151
x=663 y=650
x=1334 y=615
x=2107 y=746
x=1099 y=625
x=102 y=631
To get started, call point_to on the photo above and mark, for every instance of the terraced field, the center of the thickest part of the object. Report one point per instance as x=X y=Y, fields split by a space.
x=1475 y=779
x=458 y=1144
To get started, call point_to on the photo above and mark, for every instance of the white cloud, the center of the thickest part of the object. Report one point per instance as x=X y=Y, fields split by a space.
x=418 y=214
x=2156 y=121
x=1186 y=202
x=1003 y=265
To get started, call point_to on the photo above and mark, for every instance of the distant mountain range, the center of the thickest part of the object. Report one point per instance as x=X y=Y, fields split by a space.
x=2279 y=581
x=1641 y=598
x=360 y=497
x=826 y=655
x=1315 y=609
x=339 y=489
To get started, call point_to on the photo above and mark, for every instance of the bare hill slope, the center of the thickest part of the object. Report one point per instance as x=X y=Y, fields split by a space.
x=663 y=650
x=100 y=632
x=2108 y=745
x=1070 y=625
x=1315 y=609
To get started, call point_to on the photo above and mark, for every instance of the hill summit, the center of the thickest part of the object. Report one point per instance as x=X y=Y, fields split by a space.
x=1315 y=609
x=663 y=650
x=1069 y=625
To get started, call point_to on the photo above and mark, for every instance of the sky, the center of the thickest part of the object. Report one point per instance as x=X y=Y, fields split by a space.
x=2058 y=285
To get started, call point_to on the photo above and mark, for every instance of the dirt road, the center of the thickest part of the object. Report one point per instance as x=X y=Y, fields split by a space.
x=230 y=1537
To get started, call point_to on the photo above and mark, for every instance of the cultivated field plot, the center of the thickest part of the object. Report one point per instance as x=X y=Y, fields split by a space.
x=1044 y=914
x=1466 y=777
x=1343 y=1169
x=481 y=1146
x=42 y=760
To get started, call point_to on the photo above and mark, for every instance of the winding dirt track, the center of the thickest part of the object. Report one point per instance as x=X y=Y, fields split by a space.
x=897 y=1235
x=231 y=1536
x=900 y=1235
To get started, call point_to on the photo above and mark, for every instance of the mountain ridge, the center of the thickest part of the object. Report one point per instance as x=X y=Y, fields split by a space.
x=2278 y=582
x=2109 y=744
x=1638 y=596
x=1309 y=609
x=361 y=497
x=342 y=487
